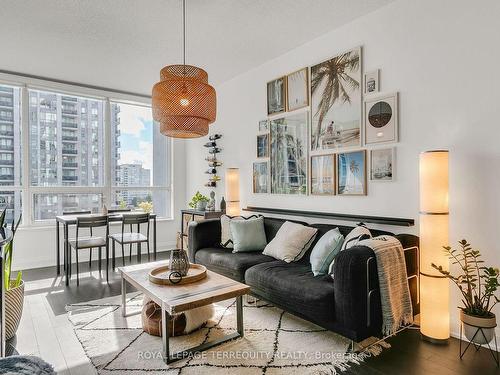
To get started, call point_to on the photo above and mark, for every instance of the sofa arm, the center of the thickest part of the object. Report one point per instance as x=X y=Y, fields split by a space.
x=202 y=234
x=355 y=274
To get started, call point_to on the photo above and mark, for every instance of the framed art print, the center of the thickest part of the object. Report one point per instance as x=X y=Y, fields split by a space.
x=382 y=164
x=276 y=91
x=297 y=86
x=351 y=173
x=289 y=156
x=336 y=87
x=381 y=119
x=323 y=174
x=261 y=177
x=263 y=146
x=263 y=126
x=372 y=82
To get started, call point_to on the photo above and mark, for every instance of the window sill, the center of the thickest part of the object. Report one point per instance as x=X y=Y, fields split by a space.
x=52 y=224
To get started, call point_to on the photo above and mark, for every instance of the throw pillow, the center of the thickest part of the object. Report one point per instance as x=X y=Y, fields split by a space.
x=248 y=235
x=291 y=242
x=325 y=250
x=226 y=237
x=357 y=234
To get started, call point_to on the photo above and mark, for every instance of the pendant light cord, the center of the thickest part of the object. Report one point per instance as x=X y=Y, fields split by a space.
x=184 y=34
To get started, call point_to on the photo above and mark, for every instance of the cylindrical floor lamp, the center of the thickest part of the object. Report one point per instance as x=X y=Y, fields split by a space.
x=434 y=288
x=233 y=191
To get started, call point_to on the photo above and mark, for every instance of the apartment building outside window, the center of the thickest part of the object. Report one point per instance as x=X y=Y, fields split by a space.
x=71 y=140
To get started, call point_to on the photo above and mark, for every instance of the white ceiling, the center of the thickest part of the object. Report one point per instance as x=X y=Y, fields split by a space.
x=122 y=44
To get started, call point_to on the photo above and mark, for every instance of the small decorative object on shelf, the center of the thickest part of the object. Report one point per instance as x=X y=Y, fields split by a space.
x=478 y=285
x=213 y=163
x=214 y=137
x=223 y=205
x=179 y=262
x=211 y=202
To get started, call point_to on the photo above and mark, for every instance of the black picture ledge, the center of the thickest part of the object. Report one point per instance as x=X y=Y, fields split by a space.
x=396 y=221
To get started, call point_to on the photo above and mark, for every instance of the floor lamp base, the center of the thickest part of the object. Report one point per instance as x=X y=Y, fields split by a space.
x=432 y=340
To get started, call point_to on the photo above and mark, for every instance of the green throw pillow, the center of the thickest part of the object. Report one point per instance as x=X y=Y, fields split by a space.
x=327 y=248
x=248 y=235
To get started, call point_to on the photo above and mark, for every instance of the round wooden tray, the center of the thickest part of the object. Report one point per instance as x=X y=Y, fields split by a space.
x=159 y=275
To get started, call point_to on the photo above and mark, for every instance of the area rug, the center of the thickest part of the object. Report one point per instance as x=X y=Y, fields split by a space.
x=275 y=342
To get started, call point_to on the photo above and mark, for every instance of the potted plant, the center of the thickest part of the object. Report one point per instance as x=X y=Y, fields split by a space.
x=14 y=287
x=199 y=201
x=478 y=285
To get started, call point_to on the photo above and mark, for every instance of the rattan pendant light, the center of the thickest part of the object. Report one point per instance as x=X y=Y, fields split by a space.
x=183 y=102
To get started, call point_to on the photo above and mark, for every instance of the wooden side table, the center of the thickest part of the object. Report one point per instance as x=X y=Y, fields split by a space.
x=194 y=215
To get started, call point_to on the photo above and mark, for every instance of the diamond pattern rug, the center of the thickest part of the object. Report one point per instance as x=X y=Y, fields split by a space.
x=275 y=342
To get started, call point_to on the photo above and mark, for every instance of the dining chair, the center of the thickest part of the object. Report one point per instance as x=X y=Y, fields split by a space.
x=78 y=212
x=83 y=243
x=130 y=238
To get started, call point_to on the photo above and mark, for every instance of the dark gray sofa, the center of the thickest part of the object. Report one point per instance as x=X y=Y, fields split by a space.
x=349 y=305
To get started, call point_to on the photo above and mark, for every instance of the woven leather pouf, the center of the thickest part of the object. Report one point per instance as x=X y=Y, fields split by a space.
x=151 y=320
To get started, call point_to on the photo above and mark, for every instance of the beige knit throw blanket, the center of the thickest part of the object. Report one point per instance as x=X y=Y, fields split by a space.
x=394 y=291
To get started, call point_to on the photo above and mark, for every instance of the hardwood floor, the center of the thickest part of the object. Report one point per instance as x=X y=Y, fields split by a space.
x=46 y=331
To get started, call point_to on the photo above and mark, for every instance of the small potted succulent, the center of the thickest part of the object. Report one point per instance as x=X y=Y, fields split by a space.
x=199 y=201
x=478 y=285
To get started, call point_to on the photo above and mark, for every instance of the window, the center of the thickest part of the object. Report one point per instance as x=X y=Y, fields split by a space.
x=10 y=151
x=140 y=173
x=75 y=158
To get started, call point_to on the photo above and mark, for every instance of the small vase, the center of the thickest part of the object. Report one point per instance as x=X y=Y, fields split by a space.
x=14 y=301
x=179 y=261
x=472 y=323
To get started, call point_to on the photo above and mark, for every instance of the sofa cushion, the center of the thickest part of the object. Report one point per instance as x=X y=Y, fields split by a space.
x=248 y=235
x=229 y=264
x=293 y=287
x=325 y=250
x=225 y=223
x=272 y=225
x=291 y=242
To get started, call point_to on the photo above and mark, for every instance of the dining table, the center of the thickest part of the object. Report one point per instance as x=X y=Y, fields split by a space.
x=67 y=220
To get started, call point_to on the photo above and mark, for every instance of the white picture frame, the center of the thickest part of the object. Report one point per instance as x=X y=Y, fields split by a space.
x=381 y=119
x=382 y=164
x=371 y=82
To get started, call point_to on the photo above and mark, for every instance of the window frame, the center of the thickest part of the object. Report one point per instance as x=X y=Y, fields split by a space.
x=28 y=192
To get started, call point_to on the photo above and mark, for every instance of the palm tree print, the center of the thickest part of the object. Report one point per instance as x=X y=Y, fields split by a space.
x=354 y=167
x=336 y=78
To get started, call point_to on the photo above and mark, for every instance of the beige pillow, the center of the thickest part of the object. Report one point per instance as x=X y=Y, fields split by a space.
x=291 y=242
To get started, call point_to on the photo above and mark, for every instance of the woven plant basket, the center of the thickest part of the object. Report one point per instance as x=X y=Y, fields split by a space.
x=14 y=301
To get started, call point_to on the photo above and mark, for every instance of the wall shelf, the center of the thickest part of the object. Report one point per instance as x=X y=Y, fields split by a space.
x=401 y=222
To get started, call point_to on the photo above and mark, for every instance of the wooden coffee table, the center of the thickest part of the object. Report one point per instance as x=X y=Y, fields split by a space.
x=175 y=299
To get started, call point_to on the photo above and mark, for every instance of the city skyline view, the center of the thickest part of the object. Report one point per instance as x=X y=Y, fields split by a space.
x=66 y=148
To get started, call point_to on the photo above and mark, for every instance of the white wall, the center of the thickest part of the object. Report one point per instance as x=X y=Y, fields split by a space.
x=442 y=57
x=35 y=246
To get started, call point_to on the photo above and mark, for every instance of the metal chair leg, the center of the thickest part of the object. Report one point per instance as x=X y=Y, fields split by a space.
x=113 y=254
x=77 y=270
x=107 y=261
x=123 y=256
x=147 y=245
x=139 y=252
x=100 y=255
x=90 y=260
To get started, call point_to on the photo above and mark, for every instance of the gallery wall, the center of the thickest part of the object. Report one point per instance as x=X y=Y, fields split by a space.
x=442 y=59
